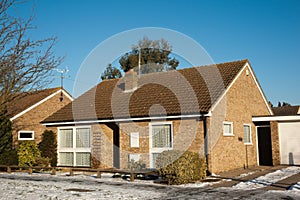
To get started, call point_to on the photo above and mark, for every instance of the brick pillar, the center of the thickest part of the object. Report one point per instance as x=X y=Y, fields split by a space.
x=275 y=142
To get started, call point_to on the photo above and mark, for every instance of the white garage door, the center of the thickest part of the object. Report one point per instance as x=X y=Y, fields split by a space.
x=289 y=137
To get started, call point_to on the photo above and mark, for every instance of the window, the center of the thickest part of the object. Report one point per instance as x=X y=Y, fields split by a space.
x=134 y=157
x=74 y=146
x=26 y=135
x=227 y=128
x=161 y=139
x=247 y=134
x=134 y=140
x=161 y=136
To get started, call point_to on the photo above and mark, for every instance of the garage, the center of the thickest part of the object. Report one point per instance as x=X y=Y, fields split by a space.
x=289 y=139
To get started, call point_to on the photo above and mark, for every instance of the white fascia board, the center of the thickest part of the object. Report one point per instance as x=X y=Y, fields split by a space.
x=234 y=80
x=67 y=94
x=126 y=120
x=276 y=118
x=40 y=102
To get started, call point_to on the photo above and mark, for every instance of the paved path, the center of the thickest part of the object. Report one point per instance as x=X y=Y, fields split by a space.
x=285 y=184
x=254 y=173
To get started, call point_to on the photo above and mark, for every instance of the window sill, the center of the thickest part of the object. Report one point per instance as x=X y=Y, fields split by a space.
x=228 y=135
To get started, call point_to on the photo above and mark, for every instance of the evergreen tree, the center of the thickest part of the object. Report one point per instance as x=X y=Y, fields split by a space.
x=111 y=72
x=48 y=146
x=152 y=55
x=5 y=132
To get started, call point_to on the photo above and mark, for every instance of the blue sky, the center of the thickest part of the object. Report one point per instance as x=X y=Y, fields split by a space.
x=265 y=32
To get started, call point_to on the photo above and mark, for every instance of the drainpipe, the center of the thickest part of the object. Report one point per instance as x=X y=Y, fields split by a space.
x=205 y=135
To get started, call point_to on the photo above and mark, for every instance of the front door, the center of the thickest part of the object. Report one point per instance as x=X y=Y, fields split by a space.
x=264 y=145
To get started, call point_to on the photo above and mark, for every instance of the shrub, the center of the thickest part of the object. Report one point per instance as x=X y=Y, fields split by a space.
x=9 y=157
x=28 y=153
x=42 y=161
x=48 y=147
x=177 y=167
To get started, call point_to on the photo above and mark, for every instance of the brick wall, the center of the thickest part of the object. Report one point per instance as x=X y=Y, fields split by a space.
x=275 y=142
x=30 y=121
x=102 y=146
x=242 y=101
x=187 y=135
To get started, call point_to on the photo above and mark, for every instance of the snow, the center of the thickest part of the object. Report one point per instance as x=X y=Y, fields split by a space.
x=268 y=179
x=43 y=186
x=87 y=186
x=296 y=187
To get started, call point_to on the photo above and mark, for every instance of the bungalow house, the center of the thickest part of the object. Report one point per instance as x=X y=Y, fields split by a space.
x=205 y=109
x=28 y=109
x=282 y=133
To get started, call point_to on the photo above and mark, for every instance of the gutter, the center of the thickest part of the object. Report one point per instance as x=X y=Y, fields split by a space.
x=206 y=114
x=276 y=118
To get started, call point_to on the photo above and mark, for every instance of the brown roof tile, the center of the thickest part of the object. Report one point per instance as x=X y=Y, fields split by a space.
x=285 y=110
x=28 y=99
x=185 y=91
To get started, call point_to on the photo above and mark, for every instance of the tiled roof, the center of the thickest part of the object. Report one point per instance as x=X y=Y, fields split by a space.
x=178 y=92
x=286 y=110
x=28 y=99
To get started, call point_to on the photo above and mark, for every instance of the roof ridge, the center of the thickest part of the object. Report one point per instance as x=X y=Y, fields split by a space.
x=187 y=68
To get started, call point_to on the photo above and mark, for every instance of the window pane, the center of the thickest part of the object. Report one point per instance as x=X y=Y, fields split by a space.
x=83 y=159
x=161 y=136
x=227 y=128
x=66 y=138
x=26 y=135
x=66 y=159
x=83 y=138
x=134 y=139
x=247 y=136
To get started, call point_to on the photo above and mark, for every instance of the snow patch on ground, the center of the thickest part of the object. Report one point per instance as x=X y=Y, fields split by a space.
x=296 y=187
x=268 y=179
x=246 y=174
x=44 y=186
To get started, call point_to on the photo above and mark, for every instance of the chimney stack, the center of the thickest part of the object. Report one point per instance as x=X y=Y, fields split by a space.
x=131 y=80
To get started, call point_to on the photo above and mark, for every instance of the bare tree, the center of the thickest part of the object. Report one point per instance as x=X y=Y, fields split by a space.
x=26 y=64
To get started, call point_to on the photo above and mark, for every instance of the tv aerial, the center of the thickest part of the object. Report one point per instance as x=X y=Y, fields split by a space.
x=62 y=72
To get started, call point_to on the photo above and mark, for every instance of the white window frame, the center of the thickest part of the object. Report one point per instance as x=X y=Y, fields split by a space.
x=134 y=156
x=74 y=149
x=228 y=123
x=250 y=134
x=158 y=150
x=134 y=139
x=32 y=133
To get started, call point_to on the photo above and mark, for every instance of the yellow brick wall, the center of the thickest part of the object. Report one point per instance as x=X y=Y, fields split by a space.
x=242 y=101
x=187 y=135
x=275 y=142
x=30 y=121
x=102 y=146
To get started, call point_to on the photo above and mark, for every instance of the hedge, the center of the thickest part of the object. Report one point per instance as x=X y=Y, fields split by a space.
x=177 y=167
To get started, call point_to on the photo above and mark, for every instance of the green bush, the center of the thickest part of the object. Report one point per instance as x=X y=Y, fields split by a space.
x=28 y=153
x=48 y=147
x=177 y=167
x=9 y=157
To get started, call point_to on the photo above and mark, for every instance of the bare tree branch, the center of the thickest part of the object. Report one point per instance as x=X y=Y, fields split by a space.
x=26 y=64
